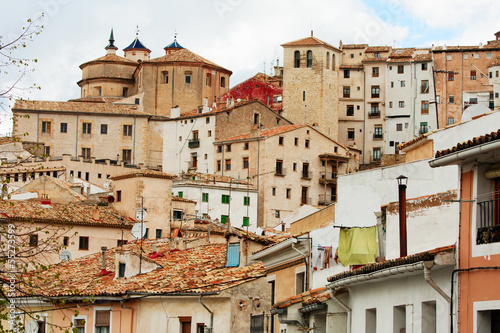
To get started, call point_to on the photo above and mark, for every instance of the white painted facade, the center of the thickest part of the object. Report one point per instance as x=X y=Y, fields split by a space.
x=494 y=75
x=178 y=156
x=214 y=207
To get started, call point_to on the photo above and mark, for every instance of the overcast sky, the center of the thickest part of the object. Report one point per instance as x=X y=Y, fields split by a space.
x=241 y=35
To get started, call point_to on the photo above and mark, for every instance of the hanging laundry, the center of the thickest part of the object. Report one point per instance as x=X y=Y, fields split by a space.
x=357 y=246
x=326 y=258
x=318 y=259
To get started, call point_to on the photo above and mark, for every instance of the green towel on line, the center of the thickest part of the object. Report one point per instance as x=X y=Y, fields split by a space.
x=358 y=246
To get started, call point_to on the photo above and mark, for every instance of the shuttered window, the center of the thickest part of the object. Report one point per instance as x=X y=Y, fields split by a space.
x=233 y=255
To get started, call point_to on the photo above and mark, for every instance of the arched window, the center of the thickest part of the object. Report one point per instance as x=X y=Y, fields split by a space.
x=296 y=59
x=309 y=59
x=327 y=60
x=333 y=62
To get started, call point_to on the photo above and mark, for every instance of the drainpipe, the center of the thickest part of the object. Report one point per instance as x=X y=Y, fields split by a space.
x=427 y=275
x=346 y=308
x=211 y=315
x=305 y=255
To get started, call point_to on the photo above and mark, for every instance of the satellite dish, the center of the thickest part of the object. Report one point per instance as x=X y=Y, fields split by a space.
x=138 y=230
x=105 y=185
x=141 y=214
x=65 y=255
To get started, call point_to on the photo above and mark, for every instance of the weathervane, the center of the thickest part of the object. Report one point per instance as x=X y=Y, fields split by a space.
x=175 y=34
x=137 y=31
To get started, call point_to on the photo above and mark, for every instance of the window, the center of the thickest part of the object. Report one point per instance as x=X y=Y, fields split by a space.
x=375 y=91
x=224 y=219
x=476 y=55
x=45 y=126
x=246 y=201
x=424 y=66
x=180 y=194
x=350 y=110
x=233 y=255
x=246 y=221
x=187 y=77
x=279 y=167
x=488 y=55
x=451 y=120
x=390 y=104
x=401 y=104
x=208 y=80
x=102 y=321
x=309 y=59
x=425 y=107
x=305 y=171
x=376 y=154
x=127 y=130
x=83 y=243
x=376 y=55
x=86 y=153
x=64 y=127
x=246 y=145
x=306 y=143
x=399 y=127
x=245 y=162
x=79 y=324
x=87 y=176
x=118 y=196
x=177 y=214
x=296 y=59
x=33 y=240
x=296 y=141
x=300 y=283
x=371 y=321
x=350 y=134
x=158 y=233
x=429 y=317
x=423 y=128
x=346 y=92
x=225 y=199
x=288 y=193
x=401 y=69
x=228 y=165
x=303 y=96
x=392 y=84
x=165 y=77
x=219 y=149
x=347 y=73
x=86 y=128
x=375 y=72
x=451 y=76
x=223 y=82
x=424 y=87
x=374 y=109
x=104 y=129
x=127 y=156
x=46 y=151
x=273 y=190
x=377 y=132
x=277 y=214
x=204 y=197
x=472 y=75
x=403 y=83
x=351 y=55
x=219 y=165
x=125 y=92
x=281 y=140
x=451 y=99
x=256 y=118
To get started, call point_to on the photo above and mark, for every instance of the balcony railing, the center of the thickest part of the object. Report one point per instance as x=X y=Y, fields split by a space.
x=280 y=172
x=194 y=143
x=374 y=114
x=328 y=177
x=306 y=174
x=488 y=230
x=378 y=136
x=327 y=199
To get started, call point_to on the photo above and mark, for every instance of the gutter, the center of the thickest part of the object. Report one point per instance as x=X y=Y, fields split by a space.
x=211 y=314
x=464 y=154
x=427 y=275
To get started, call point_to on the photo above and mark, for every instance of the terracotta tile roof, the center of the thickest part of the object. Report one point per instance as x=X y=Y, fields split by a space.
x=143 y=173
x=493 y=136
x=312 y=296
x=354 y=46
x=219 y=109
x=308 y=41
x=266 y=133
x=412 y=142
x=208 y=178
x=196 y=270
x=495 y=62
x=69 y=214
x=489 y=46
x=374 y=60
x=82 y=107
x=414 y=258
x=97 y=99
x=64 y=185
x=402 y=53
x=110 y=58
x=423 y=57
x=184 y=55
x=400 y=59
x=374 y=49
x=183 y=200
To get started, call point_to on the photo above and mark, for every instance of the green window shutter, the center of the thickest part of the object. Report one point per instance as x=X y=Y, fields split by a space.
x=233 y=255
x=204 y=197
x=181 y=194
x=223 y=219
x=246 y=222
x=225 y=199
x=246 y=201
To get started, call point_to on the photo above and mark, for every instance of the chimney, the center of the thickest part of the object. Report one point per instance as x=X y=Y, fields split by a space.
x=402 y=181
x=95 y=214
x=103 y=271
x=175 y=112
x=255 y=131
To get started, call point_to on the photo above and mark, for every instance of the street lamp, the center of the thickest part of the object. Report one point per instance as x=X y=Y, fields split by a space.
x=402 y=181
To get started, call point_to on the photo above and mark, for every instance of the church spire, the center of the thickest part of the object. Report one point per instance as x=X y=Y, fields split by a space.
x=111 y=48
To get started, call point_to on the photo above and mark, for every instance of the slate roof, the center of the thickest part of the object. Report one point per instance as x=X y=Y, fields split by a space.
x=174 y=45
x=185 y=56
x=196 y=270
x=82 y=107
x=479 y=140
x=68 y=214
x=137 y=45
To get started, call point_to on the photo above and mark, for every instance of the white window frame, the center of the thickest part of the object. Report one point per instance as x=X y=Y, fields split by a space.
x=484 y=306
x=101 y=308
x=84 y=317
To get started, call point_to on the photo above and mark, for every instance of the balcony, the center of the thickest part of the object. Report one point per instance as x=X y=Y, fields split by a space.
x=488 y=230
x=326 y=199
x=280 y=172
x=194 y=143
x=328 y=177
x=306 y=174
x=374 y=114
x=378 y=136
